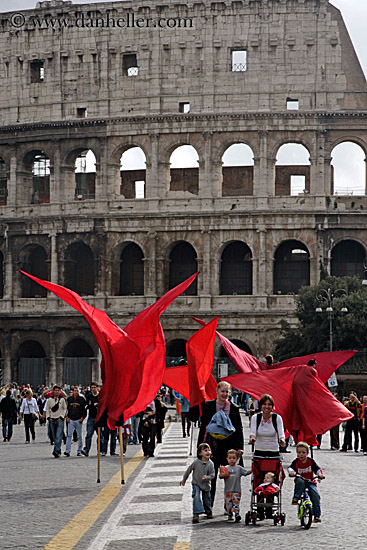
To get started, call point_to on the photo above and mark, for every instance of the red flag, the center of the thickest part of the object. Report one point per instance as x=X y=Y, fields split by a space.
x=326 y=362
x=177 y=378
x=133 y=359
x=200 y=355
x=301 y=398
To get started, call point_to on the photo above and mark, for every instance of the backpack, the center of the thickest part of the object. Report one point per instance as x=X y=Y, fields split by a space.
x=274 y=417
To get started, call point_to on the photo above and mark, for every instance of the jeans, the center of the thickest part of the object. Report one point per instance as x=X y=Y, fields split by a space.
x=299 y=487
x=201 y=506
x=7 y=428
x=57 y=431
x=106 y=432
x=91 y=428
x=135 y=421
x=74 y=425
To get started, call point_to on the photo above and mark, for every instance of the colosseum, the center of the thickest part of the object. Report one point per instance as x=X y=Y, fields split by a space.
x=141 y=141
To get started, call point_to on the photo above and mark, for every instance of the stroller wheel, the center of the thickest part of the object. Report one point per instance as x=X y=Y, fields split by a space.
x=254 y=519
x=248 y=518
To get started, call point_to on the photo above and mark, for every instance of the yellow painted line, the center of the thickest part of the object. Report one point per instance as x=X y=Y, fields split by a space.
x=73 y=531
x=182 y=546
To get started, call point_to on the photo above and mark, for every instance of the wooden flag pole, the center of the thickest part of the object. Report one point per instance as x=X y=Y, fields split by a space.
x=99 y=456
x=121 y=456
x=191 y=437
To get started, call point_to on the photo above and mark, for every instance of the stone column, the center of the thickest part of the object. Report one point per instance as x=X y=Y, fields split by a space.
x=150 y=273
x=52 y=363
x=12 y=182
x=320 y=169
x=206 y=275
x=7 y=370
x=265 y=184
x=262 y=284
x=54 y=263
x=96 y=374
x=56 y=372
x=152 y=181
x=8 y=271
x=208 y=186
x=55 y=177
x=101 y=172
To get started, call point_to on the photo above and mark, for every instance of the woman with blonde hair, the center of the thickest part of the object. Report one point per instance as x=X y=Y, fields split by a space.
x=29 y=409
x=221 y=446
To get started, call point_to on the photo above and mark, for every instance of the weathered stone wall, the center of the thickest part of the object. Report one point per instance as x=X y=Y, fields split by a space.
x=296 y=49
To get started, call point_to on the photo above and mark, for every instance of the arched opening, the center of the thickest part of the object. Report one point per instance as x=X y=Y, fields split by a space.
x=237 y=171
x=3 y=183
x=31 y=363
x=33 y=260
x=347 y=259
x=292 y=170
x=77 y=363
x=348 y=169
x=183 y=264
x=175 y=350
x=1 y=275
x=85 y=176
x=184 y=170
x=236 y=269
x=40 y=179
x=131 y=271
x=79 y=269
x=291 y=268
x=133 y=173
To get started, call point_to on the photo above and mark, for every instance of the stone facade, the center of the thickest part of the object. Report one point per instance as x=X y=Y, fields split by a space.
x=64 y=90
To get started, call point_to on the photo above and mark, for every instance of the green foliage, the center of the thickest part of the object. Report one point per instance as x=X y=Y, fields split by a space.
x=312 y=333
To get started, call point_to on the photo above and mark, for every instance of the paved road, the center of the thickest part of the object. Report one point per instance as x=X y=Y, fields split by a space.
x=41 y=495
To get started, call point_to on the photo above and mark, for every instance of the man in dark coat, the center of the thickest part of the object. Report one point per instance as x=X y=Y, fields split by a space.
x=8 y=409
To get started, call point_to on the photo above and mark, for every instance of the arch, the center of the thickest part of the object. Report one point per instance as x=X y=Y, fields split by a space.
x=133 y=173
x=183 y=263
x=31 y=363
x=236 y=269
x=77 y=367
x=175 y=350
x=79 y=268
x=131 y=271
x=40 y=178
x=85 y=175
x=1 y=275
x=348 y=259
x=184 y=170
x=348 y=169
x=292 y=169
x=3 y=182
x=237 y=170
x=291 y=267
x=33 y=260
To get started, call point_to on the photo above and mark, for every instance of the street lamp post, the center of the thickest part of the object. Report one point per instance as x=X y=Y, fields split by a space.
x=326 y=297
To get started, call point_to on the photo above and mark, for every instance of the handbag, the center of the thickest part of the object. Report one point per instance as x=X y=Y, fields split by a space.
x=34 y=415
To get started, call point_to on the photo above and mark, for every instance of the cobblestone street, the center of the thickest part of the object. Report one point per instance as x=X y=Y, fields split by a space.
x=41 y=495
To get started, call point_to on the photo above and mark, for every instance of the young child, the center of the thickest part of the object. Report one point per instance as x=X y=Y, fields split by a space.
x=307 y=468
x=202 y=473
x=232 y=485
x=269 y=487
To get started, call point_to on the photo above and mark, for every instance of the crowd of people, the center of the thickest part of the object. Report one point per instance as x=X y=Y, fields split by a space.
x=65 y=409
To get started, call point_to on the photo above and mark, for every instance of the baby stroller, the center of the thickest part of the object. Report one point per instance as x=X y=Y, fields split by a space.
x=271 y=507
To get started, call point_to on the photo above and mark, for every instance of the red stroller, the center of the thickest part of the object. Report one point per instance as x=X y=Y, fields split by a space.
x=271 y=507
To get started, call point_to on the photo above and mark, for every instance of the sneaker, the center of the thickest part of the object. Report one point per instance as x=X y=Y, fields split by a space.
x=316 y=520
x=295 y=501
x=364 y=454
x=209 y=516
x=237 y=518
x=66 y=454
x=78 y=454
x=85 y=453
x=115 y=454
x=195 y=518
x=230 y=517
x=103 y=454
x=4 y=439
x=56 y=455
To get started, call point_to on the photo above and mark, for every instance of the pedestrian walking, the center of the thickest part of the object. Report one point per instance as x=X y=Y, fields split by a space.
x=56 y=411
x=8 y=410
x=30 y=412
x=76 y=414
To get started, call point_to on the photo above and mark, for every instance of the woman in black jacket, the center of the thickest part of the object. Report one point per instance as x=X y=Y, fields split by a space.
x=220 y=447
